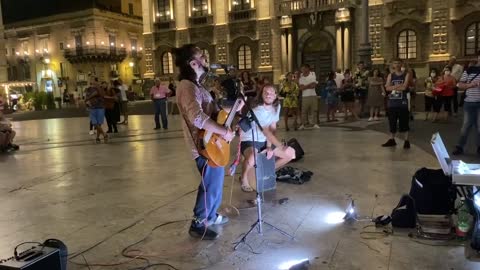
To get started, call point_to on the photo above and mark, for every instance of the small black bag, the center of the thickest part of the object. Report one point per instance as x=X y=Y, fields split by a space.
x=405 y=214
x=298 y=149
x=432 y=192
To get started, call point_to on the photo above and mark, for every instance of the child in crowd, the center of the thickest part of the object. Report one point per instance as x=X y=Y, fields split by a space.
x=332 y=97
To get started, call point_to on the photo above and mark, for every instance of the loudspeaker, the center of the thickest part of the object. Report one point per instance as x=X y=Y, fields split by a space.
x=267 y=179
x=37 y=258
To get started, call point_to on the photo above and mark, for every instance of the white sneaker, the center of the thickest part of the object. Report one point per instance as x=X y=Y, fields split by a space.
x=316 y=126
x=91 y=132
x=301 y=127
x=370 y=119
x=375 y=118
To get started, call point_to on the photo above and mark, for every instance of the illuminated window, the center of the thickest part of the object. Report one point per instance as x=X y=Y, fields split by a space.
x=163 y=10
x=200 y=8
x=244 y=57
x=241 y=4
x=472 y=39
x=167 y=63
x=407 y=45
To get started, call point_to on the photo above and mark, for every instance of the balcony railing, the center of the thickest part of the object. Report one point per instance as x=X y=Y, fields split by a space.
x=85 y=54
x=292 y=7
x=200 y=20
x=136 y=54
x=242 y=15
x=165 y=25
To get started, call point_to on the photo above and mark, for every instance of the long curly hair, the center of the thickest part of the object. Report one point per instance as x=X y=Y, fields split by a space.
x=259 y=99
x=183 y=56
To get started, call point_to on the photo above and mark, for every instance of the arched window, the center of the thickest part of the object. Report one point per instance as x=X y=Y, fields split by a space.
x=407 y=45
x=207 y=55
x=244 y=57
x=472 y=39
x=167 y=63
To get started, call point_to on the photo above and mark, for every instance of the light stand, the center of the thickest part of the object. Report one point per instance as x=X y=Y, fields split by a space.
x=259 y=223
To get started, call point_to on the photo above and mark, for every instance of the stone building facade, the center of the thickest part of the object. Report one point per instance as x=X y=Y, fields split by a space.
x=56 y=52
x=272 y=37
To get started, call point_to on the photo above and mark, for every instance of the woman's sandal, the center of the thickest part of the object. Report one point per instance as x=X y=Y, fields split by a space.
x=246 y=188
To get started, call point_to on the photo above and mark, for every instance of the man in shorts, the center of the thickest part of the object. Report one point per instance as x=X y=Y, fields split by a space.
x=95 y=101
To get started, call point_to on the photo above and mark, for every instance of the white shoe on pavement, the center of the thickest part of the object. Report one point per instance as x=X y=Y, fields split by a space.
x=91 y=132
x=316 y=126
x=375 y=118
x=370 y=119
x=301 y=127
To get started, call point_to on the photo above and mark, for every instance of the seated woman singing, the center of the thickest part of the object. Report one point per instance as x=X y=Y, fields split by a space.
x=267 y=110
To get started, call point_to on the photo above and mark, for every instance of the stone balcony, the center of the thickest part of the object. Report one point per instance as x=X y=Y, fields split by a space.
x=242 y=15
x=295 y=7
x=165 y=25
x=199 y=21
x=85 y=54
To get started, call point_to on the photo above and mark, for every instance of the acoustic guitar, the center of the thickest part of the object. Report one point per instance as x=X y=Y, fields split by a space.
x=213 y=146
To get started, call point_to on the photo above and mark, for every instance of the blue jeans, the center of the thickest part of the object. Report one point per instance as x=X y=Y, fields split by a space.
x=209 y=196
x=471 y=117
x=161 y=109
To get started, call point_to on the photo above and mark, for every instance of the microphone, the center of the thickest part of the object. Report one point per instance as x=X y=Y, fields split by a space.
x=221 y=66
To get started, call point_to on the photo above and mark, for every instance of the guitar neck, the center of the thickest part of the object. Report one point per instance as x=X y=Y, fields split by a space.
x=232 y=113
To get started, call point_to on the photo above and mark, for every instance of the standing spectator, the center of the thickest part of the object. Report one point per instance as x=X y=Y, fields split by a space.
x=339 y=77
x=123 y=101
x=470 y=81
x=412 y=91
x=376 y=88
x=159 y=94
x=307 y=83
x=348 y=96
x=430 y=99
x=248 y=85
x=66 y=97
x=387 y=93
x=111 y=114
x=446 y=83
x=172 y=87
x=290 y=103
x=361 y=80
x=96 y=103
x=397 y=83
x=456 y=72
x=332 y=97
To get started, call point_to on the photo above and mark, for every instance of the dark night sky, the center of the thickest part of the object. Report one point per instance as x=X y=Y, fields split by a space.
x=18 y=10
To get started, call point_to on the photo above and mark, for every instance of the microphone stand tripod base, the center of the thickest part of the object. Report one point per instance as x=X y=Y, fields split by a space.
x=259 y=224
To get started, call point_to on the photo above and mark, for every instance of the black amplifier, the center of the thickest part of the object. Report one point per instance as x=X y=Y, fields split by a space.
x=37 y=258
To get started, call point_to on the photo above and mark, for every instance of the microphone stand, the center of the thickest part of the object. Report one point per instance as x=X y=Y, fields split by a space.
x=259 y=223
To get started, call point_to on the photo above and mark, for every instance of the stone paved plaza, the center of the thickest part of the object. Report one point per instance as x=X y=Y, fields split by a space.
x=62 y=185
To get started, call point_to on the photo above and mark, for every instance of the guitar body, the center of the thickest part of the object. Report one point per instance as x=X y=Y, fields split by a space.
x=216 y=149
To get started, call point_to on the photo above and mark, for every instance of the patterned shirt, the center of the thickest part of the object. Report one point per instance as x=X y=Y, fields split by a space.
x=95 y=97
x=196 y=106
x=472 y=75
